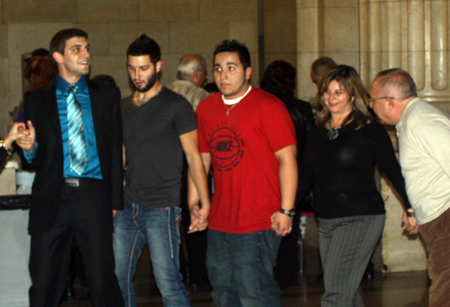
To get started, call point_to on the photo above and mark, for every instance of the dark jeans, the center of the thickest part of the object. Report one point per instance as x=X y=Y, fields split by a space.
x=240 y=268
x=436 y=236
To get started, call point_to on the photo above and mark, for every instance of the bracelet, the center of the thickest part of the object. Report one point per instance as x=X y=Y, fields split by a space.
x=2 y=144
x=410 y=213
x=289 y=213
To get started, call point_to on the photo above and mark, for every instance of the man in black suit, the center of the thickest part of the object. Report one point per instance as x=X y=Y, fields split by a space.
x=74 y=140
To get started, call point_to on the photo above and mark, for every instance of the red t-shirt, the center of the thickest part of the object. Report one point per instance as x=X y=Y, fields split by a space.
x=242 y=146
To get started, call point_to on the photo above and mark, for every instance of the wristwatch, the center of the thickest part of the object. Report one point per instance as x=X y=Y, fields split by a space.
x=290 y=213
x=410 y=213
x=2 y=144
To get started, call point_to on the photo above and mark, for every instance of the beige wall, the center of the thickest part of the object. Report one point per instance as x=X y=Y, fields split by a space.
x=325 y=28
x=179 y=26
x=280 y=31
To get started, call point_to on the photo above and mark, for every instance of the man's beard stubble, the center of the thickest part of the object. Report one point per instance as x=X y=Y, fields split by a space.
x=150 y=82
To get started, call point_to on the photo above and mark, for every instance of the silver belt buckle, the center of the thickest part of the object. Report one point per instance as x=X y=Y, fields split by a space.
x=73 y=182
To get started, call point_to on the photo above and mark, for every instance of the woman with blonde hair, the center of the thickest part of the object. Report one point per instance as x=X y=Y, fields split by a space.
x=339 y=161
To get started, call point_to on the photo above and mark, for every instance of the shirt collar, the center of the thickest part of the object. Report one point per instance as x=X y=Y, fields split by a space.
x=62 y=85
x=183 y=79
x=402 y=119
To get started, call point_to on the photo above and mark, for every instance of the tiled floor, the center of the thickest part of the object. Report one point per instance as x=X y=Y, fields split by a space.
x=385 y=290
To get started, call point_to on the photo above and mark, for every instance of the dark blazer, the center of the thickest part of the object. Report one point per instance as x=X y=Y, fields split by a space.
x=42 y=109
x=3 y=155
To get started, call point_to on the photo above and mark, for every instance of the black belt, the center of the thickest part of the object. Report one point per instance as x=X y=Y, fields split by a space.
x=79 y=182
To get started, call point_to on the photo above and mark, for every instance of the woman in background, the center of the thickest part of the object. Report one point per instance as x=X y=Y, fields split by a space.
x=279 y=79
x=6 y=144
x=39 y=71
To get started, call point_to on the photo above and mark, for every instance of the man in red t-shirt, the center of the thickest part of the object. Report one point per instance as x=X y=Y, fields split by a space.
x=248 y=137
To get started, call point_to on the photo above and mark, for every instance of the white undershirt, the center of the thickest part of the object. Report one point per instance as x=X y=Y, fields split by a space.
x=230 y=102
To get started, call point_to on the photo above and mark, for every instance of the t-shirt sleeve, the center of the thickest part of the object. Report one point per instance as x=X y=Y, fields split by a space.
x=278 y=126
x=203 y=147
x=185 y=119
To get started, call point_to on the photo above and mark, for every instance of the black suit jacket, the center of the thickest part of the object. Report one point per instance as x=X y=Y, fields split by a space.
x=42 y=109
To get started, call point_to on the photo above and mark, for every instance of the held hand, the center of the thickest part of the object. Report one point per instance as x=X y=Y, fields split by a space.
x=410 y=224
x=199 y=218
x=281 y=223
x=114 y=213
x=13 y=134
x=27 y=137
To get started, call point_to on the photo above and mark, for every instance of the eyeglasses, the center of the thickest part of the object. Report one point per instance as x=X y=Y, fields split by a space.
x=372 y=100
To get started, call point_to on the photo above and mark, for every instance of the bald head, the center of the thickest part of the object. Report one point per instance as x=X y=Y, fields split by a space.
x=390 y=92
x=193 y=67
x=320 y=67
x=399 y=80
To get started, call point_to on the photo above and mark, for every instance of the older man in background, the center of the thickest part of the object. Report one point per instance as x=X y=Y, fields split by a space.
x=191 y=76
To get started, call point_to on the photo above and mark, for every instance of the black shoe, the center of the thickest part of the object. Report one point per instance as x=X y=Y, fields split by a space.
x=369 y=274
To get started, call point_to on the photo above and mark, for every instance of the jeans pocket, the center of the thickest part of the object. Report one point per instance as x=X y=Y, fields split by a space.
x=177 y=211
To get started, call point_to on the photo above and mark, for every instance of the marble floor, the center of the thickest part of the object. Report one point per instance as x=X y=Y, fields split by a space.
x=407 y=289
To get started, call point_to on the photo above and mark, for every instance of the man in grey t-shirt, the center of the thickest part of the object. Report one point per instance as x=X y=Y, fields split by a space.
x=159 y=125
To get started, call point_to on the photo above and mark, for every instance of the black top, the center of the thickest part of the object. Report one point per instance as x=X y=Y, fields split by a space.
x=303 y=118
x=154 y=155
x=343 y=170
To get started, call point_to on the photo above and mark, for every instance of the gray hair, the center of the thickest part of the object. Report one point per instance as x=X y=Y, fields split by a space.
x=399 y=79
x=189 y=64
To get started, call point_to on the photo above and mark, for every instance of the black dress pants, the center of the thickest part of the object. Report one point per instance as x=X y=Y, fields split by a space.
x=86 y=217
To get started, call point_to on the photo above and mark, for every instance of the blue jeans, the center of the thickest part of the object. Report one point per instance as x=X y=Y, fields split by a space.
x=159 y=227
x=240 y=268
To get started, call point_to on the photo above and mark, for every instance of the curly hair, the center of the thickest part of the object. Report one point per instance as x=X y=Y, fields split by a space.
x=279 y=78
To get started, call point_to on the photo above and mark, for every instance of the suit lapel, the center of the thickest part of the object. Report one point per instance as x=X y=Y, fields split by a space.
x=52 y=110
x=97 y=112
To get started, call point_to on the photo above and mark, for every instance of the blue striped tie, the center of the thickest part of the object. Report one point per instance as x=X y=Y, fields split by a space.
x=77 y=144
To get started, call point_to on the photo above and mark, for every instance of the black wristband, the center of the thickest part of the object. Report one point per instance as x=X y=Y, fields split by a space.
x=410 y=213
x=290 y=213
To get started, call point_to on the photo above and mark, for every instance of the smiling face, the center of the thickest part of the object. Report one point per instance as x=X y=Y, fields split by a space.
x=230 y=76
x=142 y=72
x=75 y=61
x=337 y=99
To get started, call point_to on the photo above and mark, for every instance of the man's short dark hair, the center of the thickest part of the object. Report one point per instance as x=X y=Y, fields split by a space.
x=58 y=42
x=235 y=46
x=322 y=65
x=144 y=45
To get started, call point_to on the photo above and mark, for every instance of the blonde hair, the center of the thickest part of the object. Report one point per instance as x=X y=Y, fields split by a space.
x=348 y=79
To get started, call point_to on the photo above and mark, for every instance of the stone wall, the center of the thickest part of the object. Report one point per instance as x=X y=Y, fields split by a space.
x=179 y=26
x=280 y=31
x=325 y=28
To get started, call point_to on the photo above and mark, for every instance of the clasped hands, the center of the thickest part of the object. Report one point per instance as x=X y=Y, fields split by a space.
x=199 y=218
x=281 y=223
x=26 y=137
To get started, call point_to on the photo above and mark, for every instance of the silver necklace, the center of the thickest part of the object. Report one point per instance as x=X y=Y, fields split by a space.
x=333 y=133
